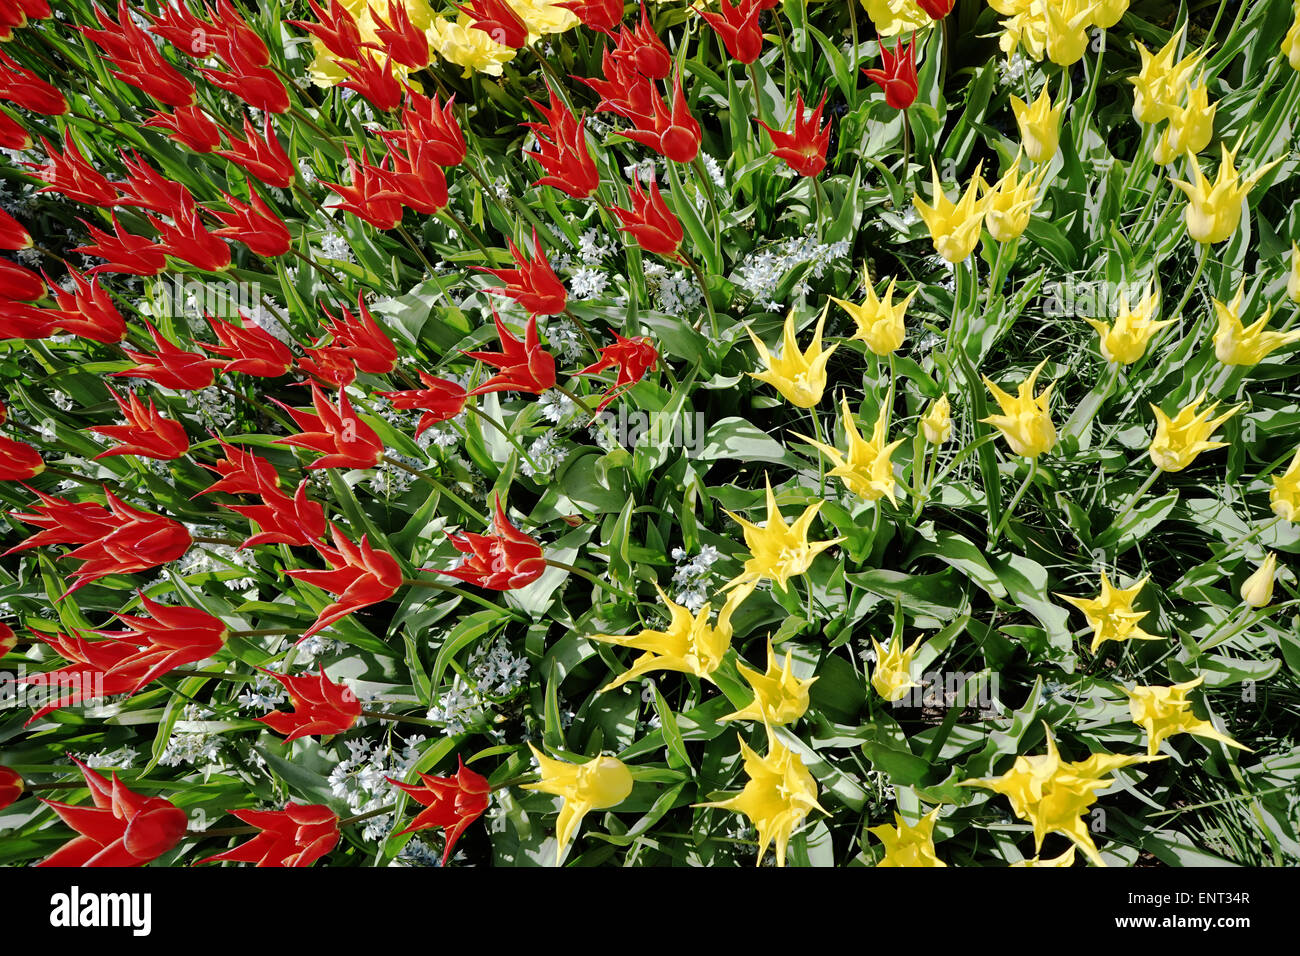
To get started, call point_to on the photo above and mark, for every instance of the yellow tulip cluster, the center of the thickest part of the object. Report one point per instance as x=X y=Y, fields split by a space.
x=1055 y=29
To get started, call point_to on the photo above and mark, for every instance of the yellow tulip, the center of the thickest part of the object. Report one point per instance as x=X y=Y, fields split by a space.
x=543 y=19
x=1126 y=340
x=867 y=469
x=1180 y=439
x=1236 y=344
x=690 y=644
x=891 y=17
x=1291 y=42
x=954 y=228
x=937 y=423
x=778 y=551
x=799 y=376
x=1065 y=859
x=1161 y=80
x=908 y=844
x=598 y=784
x=1105 y=14
x=779 y=794
x=1040 y=126
x=459 y=42
x=779 y=697
x=1110 y=614
x=1190 y=129
x=1257 y=590
x=1025 y=26
x=1214 y=211
x=880 y=323
x=1054 y=794
x=1009 y=203
x=892 y=674
x=1284 y=496
x=1025 y=422
x=1067 y=30
x=1166 y=711
x=1293 y=279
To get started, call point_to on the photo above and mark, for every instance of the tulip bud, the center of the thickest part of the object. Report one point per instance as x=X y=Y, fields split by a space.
x=937 y=423
x=1257 y=590
x=11 y=786
x=1293 y=280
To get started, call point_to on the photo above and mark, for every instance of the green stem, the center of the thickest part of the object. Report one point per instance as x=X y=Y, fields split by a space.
x=580 y=572
x=704 y=291
x=1020 y=493
x=442 y=489
x=1138 y=495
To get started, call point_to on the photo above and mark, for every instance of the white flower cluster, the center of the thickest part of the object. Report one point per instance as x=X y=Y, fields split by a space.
x=673 y=291
x=263 y=694
x=334 y=245
x=496 y=670
x=692 y=576
x=361 y=779
x=588 y=283
x=546 y=453
x=212 y=405
x=762 y=271
x=566 y=341
x=119 y=759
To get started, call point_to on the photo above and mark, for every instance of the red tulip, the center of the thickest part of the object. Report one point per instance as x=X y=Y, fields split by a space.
x=19 y=461
x=11 y=783
x=440 y=400
x=124 y=828
x=241 y=473
x=147 y=188
x=337 y=30
x=498 y=20
x=650 y=221
x=125 y=661
x=7 y=643
x=416 y=180
x=87 y=310
x=359 y=574
x=373 y=80
x=501 y=561
x=146 y=434
x=28 y=90
x=803 y=149
x=258 y=86
x=676 y=135
x=641 y=49
x=525 y=366
x=240 y=49
x=298 y=835
x=186 y=239
x=937 y=9
x=562 y=150
x=738 y=28
x=364 y=340
x=170 y=367
x=126 y=252
x=602 y=15
x=330 y=366
x=118 y=539
x=452 y=803
x=321 y=707
x=633 y=358
x=344 y=440
x=435 y=126
x=369 y=197
x=254 y=224
x=284 y=520
x=18 y=284
x=186 y=32
x=69 y=174
x=898 y=79
x=13 y=135
x=138 y=61
x=189 y=126
x=250 y=349
x=21 y=321
x=263 y=158
x=534 y=285
x=13 y=235
x=622 y=90
x=400 y=38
